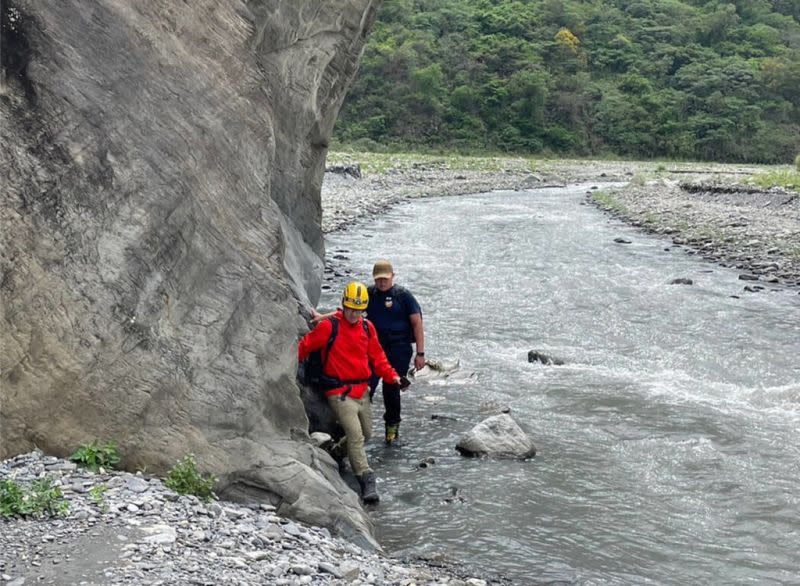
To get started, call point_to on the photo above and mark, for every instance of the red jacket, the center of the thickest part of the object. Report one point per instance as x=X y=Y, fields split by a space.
x=352 y=354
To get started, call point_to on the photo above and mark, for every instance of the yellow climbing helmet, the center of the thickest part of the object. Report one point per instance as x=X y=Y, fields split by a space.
x=355 y=296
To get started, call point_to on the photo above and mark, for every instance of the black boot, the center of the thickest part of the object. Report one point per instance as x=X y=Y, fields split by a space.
x=369 y=493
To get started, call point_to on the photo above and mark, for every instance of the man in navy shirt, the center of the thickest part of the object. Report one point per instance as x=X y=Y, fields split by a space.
x=398 y=319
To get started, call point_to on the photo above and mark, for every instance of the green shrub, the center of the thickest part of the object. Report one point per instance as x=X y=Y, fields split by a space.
x=185 y=479
x=797 y=163
x=40 y=498
x=94 y=456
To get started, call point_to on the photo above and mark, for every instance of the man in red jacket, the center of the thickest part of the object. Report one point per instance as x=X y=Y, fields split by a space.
x=355 y=353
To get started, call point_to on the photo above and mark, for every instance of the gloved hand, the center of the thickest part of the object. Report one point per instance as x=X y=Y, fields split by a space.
x=404 y=383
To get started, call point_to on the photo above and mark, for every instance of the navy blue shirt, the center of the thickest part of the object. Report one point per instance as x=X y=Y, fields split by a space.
x=389 y=312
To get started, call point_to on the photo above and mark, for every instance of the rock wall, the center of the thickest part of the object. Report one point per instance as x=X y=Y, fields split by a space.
x=161 y=166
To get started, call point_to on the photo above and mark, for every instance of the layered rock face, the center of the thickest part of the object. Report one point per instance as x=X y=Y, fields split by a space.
x=161 y=165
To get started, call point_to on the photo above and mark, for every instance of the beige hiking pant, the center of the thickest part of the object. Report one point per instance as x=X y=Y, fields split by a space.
x=355 y=416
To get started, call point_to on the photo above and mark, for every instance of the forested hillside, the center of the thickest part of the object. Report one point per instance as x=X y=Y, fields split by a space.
x=694 y=79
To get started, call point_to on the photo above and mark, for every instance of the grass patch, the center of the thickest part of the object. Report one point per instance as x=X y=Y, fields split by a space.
x=650 y=218
x=786 y=178
x=608 y=202
x=793 y=252
x=40 y=498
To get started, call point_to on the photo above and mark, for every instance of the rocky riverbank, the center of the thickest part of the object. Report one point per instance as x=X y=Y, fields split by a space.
x=707 y=209
x=754 y=230
x=129 y=529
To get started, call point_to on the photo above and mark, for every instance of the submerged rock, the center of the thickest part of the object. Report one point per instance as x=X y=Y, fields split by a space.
x=536 y=356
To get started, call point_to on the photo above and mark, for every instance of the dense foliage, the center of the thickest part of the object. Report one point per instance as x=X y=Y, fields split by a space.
x=693 y=79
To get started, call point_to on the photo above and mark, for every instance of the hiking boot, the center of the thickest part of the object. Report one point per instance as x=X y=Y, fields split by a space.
x=392 y=433
x=369 y=493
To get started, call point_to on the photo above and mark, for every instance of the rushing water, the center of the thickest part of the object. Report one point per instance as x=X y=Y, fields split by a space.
x=669 y=443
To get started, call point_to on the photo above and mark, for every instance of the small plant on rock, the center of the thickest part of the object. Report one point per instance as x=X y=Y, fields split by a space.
x=185 y=479
x=40 y=498
x=96 y=495
x=94 y=456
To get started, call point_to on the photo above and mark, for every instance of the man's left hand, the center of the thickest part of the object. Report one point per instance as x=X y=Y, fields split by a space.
x=419 y=362
x=316 y=317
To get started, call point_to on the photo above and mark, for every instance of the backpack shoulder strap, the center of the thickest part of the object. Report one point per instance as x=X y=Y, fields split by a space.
x=365 y=325
x=334 y=332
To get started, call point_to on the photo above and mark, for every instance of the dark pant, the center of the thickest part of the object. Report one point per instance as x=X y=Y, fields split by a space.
x=399 y=356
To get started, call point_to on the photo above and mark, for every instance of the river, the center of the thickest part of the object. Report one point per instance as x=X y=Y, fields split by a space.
x=669 y=442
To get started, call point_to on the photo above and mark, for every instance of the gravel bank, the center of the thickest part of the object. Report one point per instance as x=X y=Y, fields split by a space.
x=127 y=529
x=756 y=231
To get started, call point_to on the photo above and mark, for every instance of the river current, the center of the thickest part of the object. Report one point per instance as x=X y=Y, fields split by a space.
x=668 y=444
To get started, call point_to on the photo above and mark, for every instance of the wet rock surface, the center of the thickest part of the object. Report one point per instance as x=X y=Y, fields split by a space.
x=123 y=528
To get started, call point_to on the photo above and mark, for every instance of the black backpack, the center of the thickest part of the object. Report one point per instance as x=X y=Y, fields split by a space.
x=310 y=370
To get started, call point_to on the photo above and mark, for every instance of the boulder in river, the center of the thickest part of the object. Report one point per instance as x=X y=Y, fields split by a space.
x=497 y=436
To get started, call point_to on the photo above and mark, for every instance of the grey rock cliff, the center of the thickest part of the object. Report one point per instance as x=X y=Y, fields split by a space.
x=161 y=166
